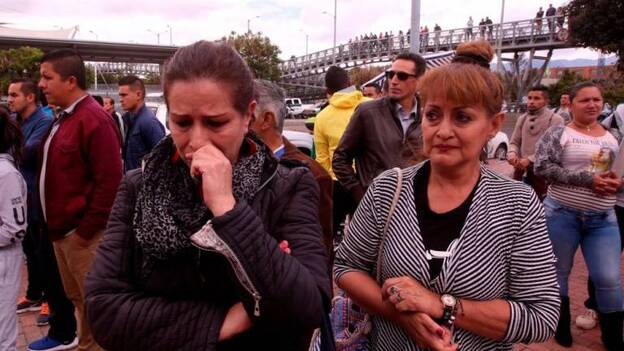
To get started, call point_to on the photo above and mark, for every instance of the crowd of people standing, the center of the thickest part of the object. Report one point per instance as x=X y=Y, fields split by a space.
x=221 y=234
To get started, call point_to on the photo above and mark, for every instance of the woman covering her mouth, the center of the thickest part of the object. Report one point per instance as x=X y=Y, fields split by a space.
x=192 y=259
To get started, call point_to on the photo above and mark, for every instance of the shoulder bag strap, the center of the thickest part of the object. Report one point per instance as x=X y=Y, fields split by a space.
x=395 y=200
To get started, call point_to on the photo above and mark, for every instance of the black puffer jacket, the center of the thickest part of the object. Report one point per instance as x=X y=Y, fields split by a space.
x=180 y=304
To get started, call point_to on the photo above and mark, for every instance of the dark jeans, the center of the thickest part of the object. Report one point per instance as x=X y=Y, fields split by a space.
x=62 y=319
x=344 y=205
x=591 y=290
x=34 y=290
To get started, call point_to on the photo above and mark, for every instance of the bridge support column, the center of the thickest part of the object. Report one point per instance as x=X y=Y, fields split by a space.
x=521 y=76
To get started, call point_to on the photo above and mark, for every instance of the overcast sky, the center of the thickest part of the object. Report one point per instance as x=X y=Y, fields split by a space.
x=283 y=21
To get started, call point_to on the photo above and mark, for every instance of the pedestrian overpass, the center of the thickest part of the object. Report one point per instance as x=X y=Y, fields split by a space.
x=304 y=74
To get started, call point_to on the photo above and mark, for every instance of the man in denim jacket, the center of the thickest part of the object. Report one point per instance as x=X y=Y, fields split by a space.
x=145 y=131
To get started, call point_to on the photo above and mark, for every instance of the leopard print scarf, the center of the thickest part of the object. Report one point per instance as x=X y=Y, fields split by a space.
x=169 y=207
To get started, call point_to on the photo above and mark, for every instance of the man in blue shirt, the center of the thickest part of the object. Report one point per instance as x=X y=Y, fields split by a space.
x=144 y=130
x=44 y=281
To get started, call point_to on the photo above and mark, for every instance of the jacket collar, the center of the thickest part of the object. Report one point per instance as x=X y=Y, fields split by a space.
x=37 y=115
x=69 y=110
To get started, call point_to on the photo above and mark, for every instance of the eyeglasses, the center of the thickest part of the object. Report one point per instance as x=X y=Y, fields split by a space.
x=401 y=75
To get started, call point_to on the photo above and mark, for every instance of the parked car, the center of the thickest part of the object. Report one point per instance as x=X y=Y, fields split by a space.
x=497 y=147
x=302 y=140
x=160 y=110
x=295 y=107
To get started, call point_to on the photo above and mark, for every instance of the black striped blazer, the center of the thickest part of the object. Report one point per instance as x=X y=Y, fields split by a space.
x=503 y=253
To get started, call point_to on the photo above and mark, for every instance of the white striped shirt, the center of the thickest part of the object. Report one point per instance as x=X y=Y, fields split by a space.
x=583 y=152
x=503 y=253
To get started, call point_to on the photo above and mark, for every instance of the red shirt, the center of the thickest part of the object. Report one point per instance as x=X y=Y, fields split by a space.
x=83 y=171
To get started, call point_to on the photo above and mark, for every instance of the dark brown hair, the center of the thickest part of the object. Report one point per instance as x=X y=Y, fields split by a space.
x=68 y=63
x=466 y=82
x=10 y=136
x=582 y=85
x=135 y=83
x=27 y=87
x=541 y=88
x=419 y=62
x=218 y=62
x=336 y=79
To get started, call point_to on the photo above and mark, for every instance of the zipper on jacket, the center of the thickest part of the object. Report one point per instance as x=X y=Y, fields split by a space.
x=207 y=239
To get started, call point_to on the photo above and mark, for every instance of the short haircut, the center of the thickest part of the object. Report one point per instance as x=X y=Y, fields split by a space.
x=582 y=85
x=217 y=62
x=135 y=83
x=419 y=62
x=373 y=85
x=270 y=97
x=336 y=79
x=543 y=89
x=27 y=86
x=98 y=99
x=68 y=63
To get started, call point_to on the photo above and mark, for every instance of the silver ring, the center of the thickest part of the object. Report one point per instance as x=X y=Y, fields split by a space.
x=398 y=297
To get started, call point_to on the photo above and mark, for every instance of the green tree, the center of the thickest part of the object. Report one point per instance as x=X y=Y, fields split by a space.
x=261 y=55
x=563 y=86
x=598 y=24
x=613 y=88
x=19 y=63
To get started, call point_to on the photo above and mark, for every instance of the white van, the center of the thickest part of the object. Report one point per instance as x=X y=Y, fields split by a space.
x=294 y=105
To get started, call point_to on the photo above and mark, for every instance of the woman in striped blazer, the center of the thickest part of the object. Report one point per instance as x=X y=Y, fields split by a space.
x=465 y=260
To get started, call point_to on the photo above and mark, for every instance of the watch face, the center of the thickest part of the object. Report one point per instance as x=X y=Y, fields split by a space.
x=448 y=300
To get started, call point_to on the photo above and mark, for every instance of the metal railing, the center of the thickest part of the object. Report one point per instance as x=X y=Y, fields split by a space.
x=127 y=68
x=537 y=33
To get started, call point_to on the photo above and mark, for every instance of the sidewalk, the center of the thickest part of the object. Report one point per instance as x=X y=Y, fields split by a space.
x=583 y=340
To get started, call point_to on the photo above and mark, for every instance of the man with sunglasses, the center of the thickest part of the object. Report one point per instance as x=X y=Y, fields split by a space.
x=383 y=133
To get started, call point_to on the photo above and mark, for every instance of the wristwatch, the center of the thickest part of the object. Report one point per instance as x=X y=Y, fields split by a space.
x=450 y=310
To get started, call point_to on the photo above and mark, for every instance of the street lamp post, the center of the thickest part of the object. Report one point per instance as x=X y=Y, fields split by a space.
x=157 y=34
x=334 y=15
x=249 y=22
x=95 y=70
x=415 y=27
x=499 y=44
x=170 y=36
x=306 y=35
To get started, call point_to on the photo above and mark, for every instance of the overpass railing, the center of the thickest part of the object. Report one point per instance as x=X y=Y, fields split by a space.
x=546 y=32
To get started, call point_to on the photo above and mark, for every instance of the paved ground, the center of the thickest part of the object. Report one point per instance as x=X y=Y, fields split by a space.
x=583 y=340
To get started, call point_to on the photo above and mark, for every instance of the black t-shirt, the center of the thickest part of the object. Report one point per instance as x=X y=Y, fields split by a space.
x=438 y=230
